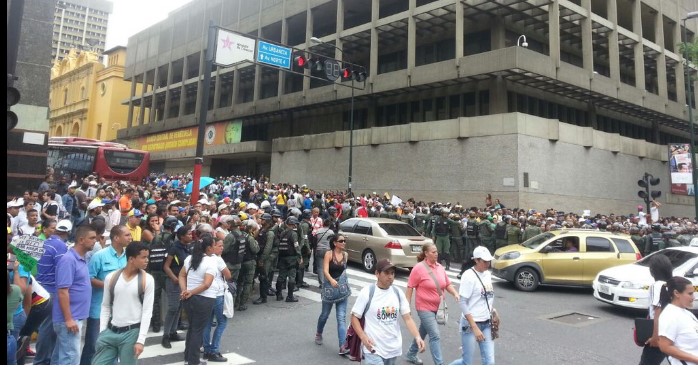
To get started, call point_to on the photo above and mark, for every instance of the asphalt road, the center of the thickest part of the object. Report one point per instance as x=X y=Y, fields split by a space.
x=537 y=328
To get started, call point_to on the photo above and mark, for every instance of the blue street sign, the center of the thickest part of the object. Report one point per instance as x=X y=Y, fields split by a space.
x=275 y=55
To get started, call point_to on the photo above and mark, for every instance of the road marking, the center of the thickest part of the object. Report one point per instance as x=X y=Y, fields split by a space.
x=233 y=358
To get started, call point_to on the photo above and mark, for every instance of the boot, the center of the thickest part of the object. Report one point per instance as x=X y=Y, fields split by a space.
x=271 y=291
x=447 y=258
x=166 y=341
x=279 y=295
x=260 y=300
x=291 y=298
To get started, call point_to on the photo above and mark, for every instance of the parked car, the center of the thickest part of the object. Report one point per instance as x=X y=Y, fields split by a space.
x=371 y=239
x=562 y=257
x=627 y=285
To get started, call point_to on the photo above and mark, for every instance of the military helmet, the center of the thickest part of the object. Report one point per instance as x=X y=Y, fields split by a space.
x=170 y=223
x=266 y=216
x=307 y=213
x=276 y=213
x=657 y=227
x=292 y=220
x=331 y=209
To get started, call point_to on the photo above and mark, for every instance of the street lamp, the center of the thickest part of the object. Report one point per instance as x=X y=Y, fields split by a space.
x=351 y=115
x=524 y=44
x=687 y=76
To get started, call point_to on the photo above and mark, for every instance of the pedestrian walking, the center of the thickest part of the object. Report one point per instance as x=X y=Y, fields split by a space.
x=677 y=324
x=380 y=305
x=428 y=281
x=335 y=290
x=123 y=329
x=661 y=270
x=476 y=304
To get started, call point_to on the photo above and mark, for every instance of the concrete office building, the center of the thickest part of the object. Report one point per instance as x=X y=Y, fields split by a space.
x=80 y=24
x=454 y=106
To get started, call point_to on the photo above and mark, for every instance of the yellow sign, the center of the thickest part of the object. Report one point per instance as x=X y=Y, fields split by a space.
x=228 y=132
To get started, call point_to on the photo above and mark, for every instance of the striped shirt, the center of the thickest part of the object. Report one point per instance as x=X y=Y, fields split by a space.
x=54 y=249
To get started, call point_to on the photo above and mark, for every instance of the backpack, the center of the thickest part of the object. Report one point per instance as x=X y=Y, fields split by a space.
x=115 y=278
x=500 y=231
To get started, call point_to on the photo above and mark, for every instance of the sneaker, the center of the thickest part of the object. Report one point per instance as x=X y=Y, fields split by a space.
x=174 y=337
x=166 y=343
x=414 y=360
x=30 y=352
x=318 y=339
x=343 y=351
x=216 y=357
x=459 y=276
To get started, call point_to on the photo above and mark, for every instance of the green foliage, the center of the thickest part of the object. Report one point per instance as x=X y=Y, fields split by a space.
x=692 y=49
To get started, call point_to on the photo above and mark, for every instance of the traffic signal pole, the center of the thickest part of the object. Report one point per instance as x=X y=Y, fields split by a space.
x=203 y=112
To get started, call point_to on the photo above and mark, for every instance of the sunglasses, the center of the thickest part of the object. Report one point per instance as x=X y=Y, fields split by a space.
x=341 y=241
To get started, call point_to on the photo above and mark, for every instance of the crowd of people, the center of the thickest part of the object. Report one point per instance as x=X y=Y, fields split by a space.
x=99 y=236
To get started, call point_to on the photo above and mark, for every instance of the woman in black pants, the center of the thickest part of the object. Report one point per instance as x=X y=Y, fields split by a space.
x=661 y=271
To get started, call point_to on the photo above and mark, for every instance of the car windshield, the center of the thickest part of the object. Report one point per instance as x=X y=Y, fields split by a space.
x=398 y=229
x=676 y=257
x=534 y=242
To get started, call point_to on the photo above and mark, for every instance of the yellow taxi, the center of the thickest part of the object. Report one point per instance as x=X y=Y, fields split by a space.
x=563 y=257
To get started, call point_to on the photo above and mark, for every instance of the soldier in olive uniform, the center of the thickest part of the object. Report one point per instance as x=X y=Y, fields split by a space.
x=440 y=233
x=486 y=231
x=513 y=232
x=457 y=239
x=289 y=259
x=233 y=250
x=274 y=256
x=500 y=233
x=246 y=278
x=406 y=217
x=303 y=229
x=531 y=230
x=420 y=217
x=654 y=241
x=266 y=239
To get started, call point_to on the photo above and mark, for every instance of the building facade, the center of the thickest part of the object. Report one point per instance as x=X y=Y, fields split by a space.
x=542 y=103
x=80 y=24
x=26 y=143
x=86 y=95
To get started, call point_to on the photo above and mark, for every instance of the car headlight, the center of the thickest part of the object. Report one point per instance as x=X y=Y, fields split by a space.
x=510 y=255
x=633 y=285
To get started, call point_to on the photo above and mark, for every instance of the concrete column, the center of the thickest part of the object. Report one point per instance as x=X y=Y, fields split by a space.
x=411 y=37
x=168 y=95
x=153 y=101
x=554 y=31
x=258 y=68
x=593 y=122
x=182 y=89
x=661 y=59
x=587 y=39
x=373 y=62
x=129 y=119
x=200 y=103
x=679 y=71
x=236 y=88
x=639 y=52
x=308 y=34
x=217 y=89
x=498 y=35
x=655 y=132
x=284 y=39
x=141 y=109
x=460 y=31
x=613 y=47
x=498 y=96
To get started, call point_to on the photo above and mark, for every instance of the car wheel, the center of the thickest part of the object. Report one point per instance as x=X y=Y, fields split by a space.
x=369 y=261
x=526 y=279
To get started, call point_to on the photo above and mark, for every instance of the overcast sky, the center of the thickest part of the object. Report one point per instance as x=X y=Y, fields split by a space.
x=132 y=16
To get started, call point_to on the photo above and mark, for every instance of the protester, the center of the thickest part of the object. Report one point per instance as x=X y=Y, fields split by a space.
x=334 y=269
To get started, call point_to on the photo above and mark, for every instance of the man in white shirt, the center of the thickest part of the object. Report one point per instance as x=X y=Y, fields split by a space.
x=123 y=329
x=381 y=304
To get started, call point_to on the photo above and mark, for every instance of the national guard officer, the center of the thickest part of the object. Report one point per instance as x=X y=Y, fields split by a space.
x=407 y=217
x=500 y=232
x=486 y=231
x=419 y=218
x=637 y=238
x=303 y=230
x=156 y=259
x=274 y=256
x=440 y=233
x=246 y=278
x=289 y=251
x=513 y=232
x=234 y=245
x=531 y=230
x=654 y=240
x=267 y=240
x=457 y=239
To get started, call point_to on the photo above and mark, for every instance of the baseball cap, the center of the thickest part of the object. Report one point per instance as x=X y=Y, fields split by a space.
x=252 y=206
x=135 y=213
x=13 y=204
x=64 y=225
x=94 y=205
x=222 y=206
x=107 y=201
x=150 y=201
x=73 y=186
x=174 y=202
x=483 y=253
x=203 y=202
x=384 y=265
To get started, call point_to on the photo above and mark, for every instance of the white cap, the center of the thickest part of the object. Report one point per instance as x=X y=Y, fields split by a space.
x=64 y=225
x=13 y=204
x=252 y=206
x=203 y=202
x=174 y=202
x=93 y=182
x=237 y=201
x=94 y=205
x=222 y=206
x=481 y=252
x=265 y=204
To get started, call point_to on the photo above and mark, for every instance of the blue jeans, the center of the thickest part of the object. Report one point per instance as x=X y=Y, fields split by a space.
x=11 y=349
x=46 y=343
x=67 y=348
x=428 y=325
x=341 y=313
x=213 y=346
x=18 y=320
x=372 y=358
x=468 y=343
x=91 y=334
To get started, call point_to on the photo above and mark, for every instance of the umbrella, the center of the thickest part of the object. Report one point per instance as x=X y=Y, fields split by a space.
x=203 y=182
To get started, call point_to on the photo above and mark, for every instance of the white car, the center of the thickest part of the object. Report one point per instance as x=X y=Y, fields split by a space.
x=628 y=285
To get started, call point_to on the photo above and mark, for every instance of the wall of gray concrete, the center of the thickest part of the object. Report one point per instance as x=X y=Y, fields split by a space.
x=569 y=167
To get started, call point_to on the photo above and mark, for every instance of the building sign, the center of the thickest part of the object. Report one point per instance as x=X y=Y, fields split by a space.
x=227 y=132
x=681 y=169
x=232 y=48
x=274 y=55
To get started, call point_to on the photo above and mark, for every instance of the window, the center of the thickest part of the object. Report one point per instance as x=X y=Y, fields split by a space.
x=599 y=244
x=624 y=246
x=399 y=229
x=347 y=226
x=676 y=257
x=566 y=244
x=363 y=228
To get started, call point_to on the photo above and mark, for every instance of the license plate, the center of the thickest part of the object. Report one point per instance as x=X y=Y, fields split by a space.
x=416 y=248
x=604 y=289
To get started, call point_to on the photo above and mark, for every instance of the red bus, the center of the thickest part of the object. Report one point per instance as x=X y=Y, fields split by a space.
x=113 y=161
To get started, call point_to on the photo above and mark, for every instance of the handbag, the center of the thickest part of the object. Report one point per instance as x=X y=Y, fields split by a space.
x=340 y=293
x=642 y=331
x=228 y=304
x=442 y=311
x=494 y=315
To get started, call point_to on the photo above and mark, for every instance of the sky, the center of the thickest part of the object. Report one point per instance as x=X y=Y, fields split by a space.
x=132 y=16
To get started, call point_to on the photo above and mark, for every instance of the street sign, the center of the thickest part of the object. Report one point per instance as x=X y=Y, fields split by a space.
x=332 y=69
x=274 y=55
x=232 y=48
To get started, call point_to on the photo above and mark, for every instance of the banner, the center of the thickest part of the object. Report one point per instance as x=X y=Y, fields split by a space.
x=681 y=169
x=227 y=132
x=28 y=250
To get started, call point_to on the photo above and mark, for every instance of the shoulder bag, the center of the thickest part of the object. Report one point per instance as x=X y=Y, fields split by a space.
x=343 y=291
x=494 y=316
x=643 y=330
x=442 y=312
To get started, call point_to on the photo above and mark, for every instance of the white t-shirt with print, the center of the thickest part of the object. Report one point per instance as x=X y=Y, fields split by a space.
x=471 y=289
x=680 y=326
x=196 y=277
x=654 y=291
x=382 y=322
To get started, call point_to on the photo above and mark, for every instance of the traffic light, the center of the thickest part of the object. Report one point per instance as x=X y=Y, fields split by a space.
x=647 y=194
x=349 y=73
x=12 y=99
